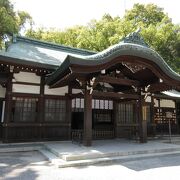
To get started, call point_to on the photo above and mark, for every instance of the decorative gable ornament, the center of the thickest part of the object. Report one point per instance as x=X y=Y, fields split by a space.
x=135 y=38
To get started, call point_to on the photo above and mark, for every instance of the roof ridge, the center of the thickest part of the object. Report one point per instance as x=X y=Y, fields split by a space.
x=135 y=38
x=17 y=38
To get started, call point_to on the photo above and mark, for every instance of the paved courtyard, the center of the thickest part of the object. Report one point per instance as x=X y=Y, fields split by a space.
x=33 y=165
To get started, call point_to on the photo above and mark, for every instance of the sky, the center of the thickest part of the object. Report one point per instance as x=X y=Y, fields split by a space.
x=67 y=13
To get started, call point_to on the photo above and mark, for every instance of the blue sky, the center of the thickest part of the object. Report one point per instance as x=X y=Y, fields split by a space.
x=67 y=13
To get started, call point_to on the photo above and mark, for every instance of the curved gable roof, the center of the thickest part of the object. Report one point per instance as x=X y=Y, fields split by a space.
x=122 y=49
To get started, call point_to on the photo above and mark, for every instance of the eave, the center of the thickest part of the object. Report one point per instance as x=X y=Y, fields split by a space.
x=120 y=53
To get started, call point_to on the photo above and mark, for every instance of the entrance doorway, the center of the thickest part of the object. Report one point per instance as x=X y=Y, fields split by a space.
x=77 y=120
x=102 y=118
x=103 y=124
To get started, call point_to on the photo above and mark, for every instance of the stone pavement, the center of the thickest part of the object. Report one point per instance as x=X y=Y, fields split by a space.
x=66 y=154
x=33 y=166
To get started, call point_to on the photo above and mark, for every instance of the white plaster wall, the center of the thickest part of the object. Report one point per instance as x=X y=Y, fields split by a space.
x=26 y=89
x=148 y=99
x=26 y=77
x=167 y=103
x=155 y=102
x=2 y=92
x=76 y=91
x=96 y=104
x=56 y=91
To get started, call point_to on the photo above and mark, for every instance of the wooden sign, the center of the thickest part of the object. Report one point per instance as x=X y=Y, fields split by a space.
x=169 y=115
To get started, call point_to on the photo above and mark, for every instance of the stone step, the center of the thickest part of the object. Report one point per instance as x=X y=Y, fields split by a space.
x=88 y=162
x=108 y=158
x=53 y=151
x=19 y=148
x=94 y=155
x=51 y=157
x=167 y=137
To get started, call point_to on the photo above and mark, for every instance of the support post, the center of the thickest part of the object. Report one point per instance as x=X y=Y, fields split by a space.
x=69 y=111
x=41 y=107
x=115 y=118
x=142 y=120
x=8 y=107
x=152 y=116
x=87 y=135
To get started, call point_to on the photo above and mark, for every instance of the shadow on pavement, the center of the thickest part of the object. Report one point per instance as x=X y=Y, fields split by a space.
x=18 y=165
x=141 y=164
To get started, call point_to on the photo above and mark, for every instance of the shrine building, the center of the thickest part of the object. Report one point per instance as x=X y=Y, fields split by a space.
x=55 y=92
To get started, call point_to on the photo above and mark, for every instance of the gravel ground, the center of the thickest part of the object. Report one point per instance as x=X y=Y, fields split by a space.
x=32 y=165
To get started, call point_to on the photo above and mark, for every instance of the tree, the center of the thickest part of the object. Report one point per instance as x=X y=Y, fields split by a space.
x=11 y=21
x=157 y=30
x=146 y=15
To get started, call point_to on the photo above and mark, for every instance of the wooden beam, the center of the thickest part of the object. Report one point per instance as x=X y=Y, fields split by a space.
x=161 y=86
x=69 y=79
x=27 y=83
x=114 y=95
x=64 y=81
x=118 y=81
x=126 y=71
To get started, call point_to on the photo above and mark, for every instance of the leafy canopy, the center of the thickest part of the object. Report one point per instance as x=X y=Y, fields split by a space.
x=157 y=30
x=11 y=21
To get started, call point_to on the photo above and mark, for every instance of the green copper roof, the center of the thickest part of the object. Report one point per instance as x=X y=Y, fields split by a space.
x=34 y=51
x=131 y=49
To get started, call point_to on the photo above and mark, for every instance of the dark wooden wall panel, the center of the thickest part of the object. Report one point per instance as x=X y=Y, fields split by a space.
x=21 y=133
x=56 y=133
x=127 y=131
x=36 y=133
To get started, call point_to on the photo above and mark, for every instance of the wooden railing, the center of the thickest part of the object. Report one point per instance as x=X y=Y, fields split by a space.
x=77 y=136
x=103 y=134
x=163 y=128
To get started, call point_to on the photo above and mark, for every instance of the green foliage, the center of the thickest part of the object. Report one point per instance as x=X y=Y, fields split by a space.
x=11 y=21
x=157 y=30
x=145 y=15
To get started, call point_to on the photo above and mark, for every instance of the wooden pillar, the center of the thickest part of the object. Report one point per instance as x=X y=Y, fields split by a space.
x=142 y=120
x=8 y=107
x=87 y=135
x=135 y=113
x=152 y=116
x=69 y=110
x=115 y=118
x=41 y=107
x=41 y=100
